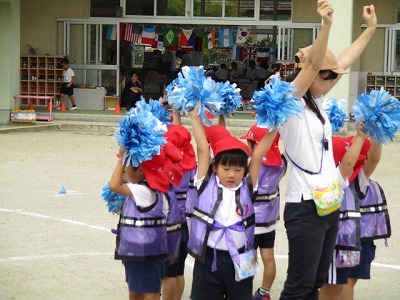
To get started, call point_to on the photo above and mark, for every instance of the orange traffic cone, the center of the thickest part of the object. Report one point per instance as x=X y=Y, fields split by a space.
x=63 y=107
x=48 y=106
x=31 y=105
x=117 y=109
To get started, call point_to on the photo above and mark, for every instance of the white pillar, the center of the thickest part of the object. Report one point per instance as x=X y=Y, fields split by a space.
x=340 y=38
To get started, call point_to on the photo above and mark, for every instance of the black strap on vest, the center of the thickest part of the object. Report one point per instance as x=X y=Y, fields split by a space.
x=148 y=208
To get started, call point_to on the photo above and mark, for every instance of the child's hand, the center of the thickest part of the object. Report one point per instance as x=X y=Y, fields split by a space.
x=370 y=16
x=195 y=111
x=122 y=151
x=360 y=130
x=325 y=10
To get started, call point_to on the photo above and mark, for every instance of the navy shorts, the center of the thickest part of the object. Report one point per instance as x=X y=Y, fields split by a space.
x=367 y=255
x=361 y=271
x=178 y=268
x=144 y=276
x=67 y=90
x=265 y=240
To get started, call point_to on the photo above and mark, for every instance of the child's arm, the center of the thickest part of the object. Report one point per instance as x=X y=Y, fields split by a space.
x=203 y=152
x=351 y=156
x=176 y=117
x=116 y=184
x=374 y=155
x=258 y=154
x=71 y=82
x=316 y=55
x=221 y=121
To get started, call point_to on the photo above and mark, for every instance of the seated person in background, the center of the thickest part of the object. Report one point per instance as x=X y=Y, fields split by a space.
x=252 y=72
x=263 y=74
x=275 y=72
x=235 y=72
x=222 y=74
x=185 y=57
x=132 y=92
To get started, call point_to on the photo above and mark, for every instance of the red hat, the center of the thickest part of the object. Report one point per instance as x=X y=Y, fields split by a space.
x=181 y=137
x=230 y=143
x=163 y=169
x=273 y=156
x=340 y=146
x=215 y=133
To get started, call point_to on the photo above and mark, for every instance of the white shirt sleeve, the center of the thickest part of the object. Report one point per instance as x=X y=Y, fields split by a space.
x=142 y=195
x=363 y=181
x=344 y=183
x=198 y=182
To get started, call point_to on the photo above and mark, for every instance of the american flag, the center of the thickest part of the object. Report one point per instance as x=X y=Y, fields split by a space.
x=132 y=33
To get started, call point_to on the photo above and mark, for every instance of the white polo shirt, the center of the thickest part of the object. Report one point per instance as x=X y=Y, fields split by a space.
x=67 y=75
x=302 y=137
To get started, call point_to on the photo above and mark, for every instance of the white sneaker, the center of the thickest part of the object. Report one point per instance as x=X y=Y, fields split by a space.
x=73 y=107
x=58 y=108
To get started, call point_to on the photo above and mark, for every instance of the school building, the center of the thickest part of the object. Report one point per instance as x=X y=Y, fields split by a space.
x=91 y=34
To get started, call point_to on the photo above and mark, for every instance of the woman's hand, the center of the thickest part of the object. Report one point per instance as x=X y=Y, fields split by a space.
x=325 y=10
x=369 y=16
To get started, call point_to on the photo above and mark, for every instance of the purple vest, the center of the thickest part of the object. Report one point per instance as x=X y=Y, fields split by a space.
x=142 y=233
x=202 y=221
x=267 y=200
x=174 y=226
x=348 y=237
x=375 y=221
x=186 y=194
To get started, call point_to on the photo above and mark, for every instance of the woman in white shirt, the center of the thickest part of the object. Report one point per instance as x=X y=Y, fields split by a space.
x=307 y=141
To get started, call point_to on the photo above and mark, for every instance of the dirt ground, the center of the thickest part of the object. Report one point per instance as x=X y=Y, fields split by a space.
x=59 y=246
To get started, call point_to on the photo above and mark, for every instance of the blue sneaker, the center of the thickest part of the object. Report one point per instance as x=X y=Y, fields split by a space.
x=258 y=296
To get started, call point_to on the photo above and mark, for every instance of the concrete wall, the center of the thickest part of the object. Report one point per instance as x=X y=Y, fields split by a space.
x=38 y=22
x=9 y=56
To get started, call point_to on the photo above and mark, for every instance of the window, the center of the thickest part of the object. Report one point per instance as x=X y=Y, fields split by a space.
x=275 y=10
x=207 y=8
x=104 y=8
x=239 y=8
x=171 y=7
x=140 y=7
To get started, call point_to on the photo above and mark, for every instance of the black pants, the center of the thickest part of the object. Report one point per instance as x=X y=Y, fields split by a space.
x=221 y=284
x=311 y=242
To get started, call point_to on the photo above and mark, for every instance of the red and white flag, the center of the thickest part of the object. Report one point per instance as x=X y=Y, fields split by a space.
x=248 y=53
x=149 y=35
x=242 y=35
x=132 y=33
x=262 y=55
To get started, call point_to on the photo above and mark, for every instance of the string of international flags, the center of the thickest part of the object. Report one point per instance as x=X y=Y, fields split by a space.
x=173 y=38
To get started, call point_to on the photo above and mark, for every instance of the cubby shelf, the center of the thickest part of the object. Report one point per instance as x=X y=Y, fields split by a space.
x=40 y=76
x=390 y=83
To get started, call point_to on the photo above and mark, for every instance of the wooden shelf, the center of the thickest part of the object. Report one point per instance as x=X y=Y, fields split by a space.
x=40 y=76
x=389 y=82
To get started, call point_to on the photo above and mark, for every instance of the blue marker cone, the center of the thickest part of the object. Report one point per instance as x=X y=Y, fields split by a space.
x=62 y=191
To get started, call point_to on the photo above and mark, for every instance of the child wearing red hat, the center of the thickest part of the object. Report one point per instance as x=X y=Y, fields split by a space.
x=341 y=280
x=183 y=194
x=142 y=233
x=266 y=206
x=222 y=224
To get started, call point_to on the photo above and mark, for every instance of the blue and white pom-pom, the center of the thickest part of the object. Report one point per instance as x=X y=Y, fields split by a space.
x=193 y=86
x=142 y=134
x=156 y=109
x=381 y=113
x=230 y=96
x=274 y=104
x=336 y=112
x=114 y=201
